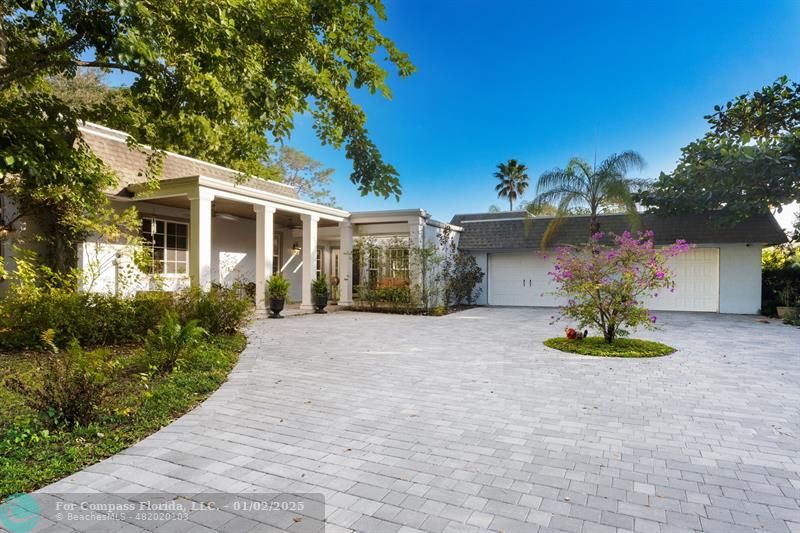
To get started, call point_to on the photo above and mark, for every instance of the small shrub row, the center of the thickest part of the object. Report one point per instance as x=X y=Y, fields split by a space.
x=99 y=319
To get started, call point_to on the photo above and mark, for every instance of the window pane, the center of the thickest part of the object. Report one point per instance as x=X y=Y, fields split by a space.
x=159 y=226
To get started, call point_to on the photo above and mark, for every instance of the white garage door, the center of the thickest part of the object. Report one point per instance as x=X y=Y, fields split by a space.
x=521 y=279
x=696 y=283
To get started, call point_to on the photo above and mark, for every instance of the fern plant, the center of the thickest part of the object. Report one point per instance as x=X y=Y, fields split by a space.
x=278 y=287
x=167 y=345
x=319 y=287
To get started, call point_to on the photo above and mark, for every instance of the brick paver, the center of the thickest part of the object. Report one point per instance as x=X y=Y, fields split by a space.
x=466 y=423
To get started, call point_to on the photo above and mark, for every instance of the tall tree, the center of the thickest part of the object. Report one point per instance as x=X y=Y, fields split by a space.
x=747 y=163
x=213 y=79
x=307 y=175
x=598 y=188
x=513 y=178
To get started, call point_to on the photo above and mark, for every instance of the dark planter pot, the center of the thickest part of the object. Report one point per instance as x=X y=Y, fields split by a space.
x=275 y=306
x=320 y=302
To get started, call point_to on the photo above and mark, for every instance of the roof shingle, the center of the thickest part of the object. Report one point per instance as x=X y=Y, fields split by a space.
x=513 y=230
x=111 y=146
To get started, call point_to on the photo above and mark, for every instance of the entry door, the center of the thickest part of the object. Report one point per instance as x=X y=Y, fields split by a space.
x=334 y=273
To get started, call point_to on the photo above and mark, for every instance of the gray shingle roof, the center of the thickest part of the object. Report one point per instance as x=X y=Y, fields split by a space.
x=511 y=230
x=111 y=146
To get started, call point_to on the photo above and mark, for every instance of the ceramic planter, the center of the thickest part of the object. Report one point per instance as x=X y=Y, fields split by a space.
x=320 y=302
x=276 y=306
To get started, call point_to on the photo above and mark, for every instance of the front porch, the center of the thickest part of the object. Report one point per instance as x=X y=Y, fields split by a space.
x=203 y=231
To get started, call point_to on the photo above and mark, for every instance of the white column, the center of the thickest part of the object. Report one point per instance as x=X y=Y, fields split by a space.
x=265 y=231
x=345 y=263
x=200 y=238
x=309 y=257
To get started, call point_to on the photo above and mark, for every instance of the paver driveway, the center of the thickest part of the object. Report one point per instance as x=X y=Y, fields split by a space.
x=467 y=423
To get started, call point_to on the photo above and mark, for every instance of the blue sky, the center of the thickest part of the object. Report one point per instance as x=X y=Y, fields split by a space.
x=543 y=81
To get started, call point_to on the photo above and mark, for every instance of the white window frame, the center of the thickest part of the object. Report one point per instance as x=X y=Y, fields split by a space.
x=166 y=261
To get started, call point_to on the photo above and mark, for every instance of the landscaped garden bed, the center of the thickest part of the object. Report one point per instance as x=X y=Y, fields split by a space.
x=34 y=453
x=83 y=376
x=598 y=346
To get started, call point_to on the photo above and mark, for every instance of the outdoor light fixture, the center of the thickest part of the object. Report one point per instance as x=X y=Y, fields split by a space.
x=295 y=248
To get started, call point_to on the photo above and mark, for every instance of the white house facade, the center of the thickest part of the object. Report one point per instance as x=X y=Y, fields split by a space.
x=206 y=224
x=720 y=274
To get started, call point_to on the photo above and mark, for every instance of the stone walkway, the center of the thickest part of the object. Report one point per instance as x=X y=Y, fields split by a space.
x=466 y=423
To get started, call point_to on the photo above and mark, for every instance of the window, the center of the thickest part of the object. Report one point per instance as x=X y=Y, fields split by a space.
x=373 y=268
x=276 y=254
x=169 y=243
x=397 y=263
x=320 y=252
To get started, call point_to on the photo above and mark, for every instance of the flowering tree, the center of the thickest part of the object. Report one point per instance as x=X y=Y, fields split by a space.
x=605 y=285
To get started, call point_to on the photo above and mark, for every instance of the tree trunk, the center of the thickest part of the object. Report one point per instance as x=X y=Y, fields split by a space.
x=510 y=204
x=610 y=333
x=594 y=225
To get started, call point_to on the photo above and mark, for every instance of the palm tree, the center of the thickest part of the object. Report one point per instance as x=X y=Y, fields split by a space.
x=513 y=181
x=594 y=187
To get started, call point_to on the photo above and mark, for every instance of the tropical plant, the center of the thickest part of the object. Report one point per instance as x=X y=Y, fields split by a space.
x=67 y=388
x=513 y=180
x=598 y=188
x=746 y=164
x=277 y=287
x=167 y=344
x=219 y=310
x=605 y=286
x=319 y=287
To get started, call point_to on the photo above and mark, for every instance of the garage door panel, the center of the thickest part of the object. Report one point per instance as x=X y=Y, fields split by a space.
x=696 y=276
x=521 y=279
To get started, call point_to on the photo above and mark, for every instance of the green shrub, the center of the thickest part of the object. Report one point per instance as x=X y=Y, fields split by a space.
x=319 y=287
x=221 y=310
x=780 y=278
x=91 y=319
x=166 y=346
x=68 y=387
x=277 y=287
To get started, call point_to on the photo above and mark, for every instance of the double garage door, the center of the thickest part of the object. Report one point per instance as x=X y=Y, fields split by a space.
x=521 y=279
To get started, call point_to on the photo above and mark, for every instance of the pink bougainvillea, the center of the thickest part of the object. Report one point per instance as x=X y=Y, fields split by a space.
x=605 y=286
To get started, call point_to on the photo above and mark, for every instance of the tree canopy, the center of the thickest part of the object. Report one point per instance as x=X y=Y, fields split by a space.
x=305 y=174
x=583 y=186
x=747 y=163
x=221 y=80
x=513 y=181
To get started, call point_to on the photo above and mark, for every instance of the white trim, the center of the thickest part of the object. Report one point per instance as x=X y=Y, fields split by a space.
x=240 y=193
x=148 y=147
x=495 y=220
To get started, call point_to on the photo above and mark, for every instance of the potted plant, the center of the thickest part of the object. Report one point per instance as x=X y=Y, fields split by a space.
x=319 y=289
x=277 y=290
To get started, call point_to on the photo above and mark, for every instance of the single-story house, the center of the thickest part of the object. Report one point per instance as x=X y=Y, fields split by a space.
x=205 y=224
x=209 y=224
x=721 y=274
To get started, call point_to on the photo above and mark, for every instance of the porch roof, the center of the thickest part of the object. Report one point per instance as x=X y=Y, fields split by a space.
x=190 y=186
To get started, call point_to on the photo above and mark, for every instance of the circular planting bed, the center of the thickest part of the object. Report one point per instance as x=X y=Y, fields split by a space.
x=597 y=346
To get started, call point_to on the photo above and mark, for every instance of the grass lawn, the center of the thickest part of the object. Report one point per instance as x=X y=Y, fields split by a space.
x=597 y=346
x=32 y=456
